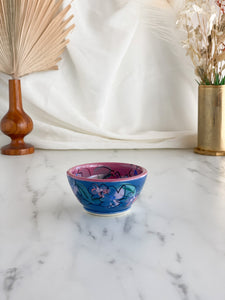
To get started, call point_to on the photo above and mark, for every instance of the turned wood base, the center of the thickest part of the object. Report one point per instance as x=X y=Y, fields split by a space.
x=16 y=123
x=22 y=149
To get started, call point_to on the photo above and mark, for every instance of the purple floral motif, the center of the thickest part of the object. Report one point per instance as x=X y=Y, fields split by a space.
x=106 y=196
x=82 y=172
x=113 y=196
x=99 y=191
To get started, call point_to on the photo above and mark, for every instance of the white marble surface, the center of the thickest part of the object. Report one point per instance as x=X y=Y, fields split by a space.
x=171 y=246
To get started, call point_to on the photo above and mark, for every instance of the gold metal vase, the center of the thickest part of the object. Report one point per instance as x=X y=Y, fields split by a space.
x=211 y=120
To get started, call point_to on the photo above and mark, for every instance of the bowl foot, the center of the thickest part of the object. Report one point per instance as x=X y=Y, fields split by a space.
x=116 y=214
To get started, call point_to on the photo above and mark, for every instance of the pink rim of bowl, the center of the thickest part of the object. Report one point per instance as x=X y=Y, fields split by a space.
x=143 y=173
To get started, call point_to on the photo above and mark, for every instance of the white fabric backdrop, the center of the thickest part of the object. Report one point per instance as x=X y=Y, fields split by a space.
x=119 y=86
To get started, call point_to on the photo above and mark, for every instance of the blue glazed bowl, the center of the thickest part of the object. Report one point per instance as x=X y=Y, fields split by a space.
x=106 y=188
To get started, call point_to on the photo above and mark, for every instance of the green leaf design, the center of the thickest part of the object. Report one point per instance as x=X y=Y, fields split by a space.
x=86 y=195
x=129 y=189
x=83 y=191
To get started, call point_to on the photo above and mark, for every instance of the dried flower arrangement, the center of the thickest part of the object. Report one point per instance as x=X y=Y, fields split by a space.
x=204 y=23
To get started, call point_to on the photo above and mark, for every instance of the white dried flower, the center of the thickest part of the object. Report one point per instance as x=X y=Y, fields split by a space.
x=197 y=9
x=204 y=24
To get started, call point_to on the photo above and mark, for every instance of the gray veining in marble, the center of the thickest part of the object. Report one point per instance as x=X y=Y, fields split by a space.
x=170 y=246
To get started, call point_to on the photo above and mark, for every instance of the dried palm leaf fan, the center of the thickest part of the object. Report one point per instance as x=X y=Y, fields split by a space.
x=32 y=38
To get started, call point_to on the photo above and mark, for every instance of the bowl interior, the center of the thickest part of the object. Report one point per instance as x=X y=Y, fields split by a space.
x=106 y=171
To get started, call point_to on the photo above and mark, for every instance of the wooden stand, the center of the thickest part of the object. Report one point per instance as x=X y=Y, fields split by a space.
x=16 y=123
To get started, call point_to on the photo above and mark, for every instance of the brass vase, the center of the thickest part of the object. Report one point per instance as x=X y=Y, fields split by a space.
x=211 y=120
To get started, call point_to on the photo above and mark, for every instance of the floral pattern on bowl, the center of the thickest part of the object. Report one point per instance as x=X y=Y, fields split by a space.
x=106 y=188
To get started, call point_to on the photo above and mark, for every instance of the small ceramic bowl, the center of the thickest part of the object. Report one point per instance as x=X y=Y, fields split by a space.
x=106 y=188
